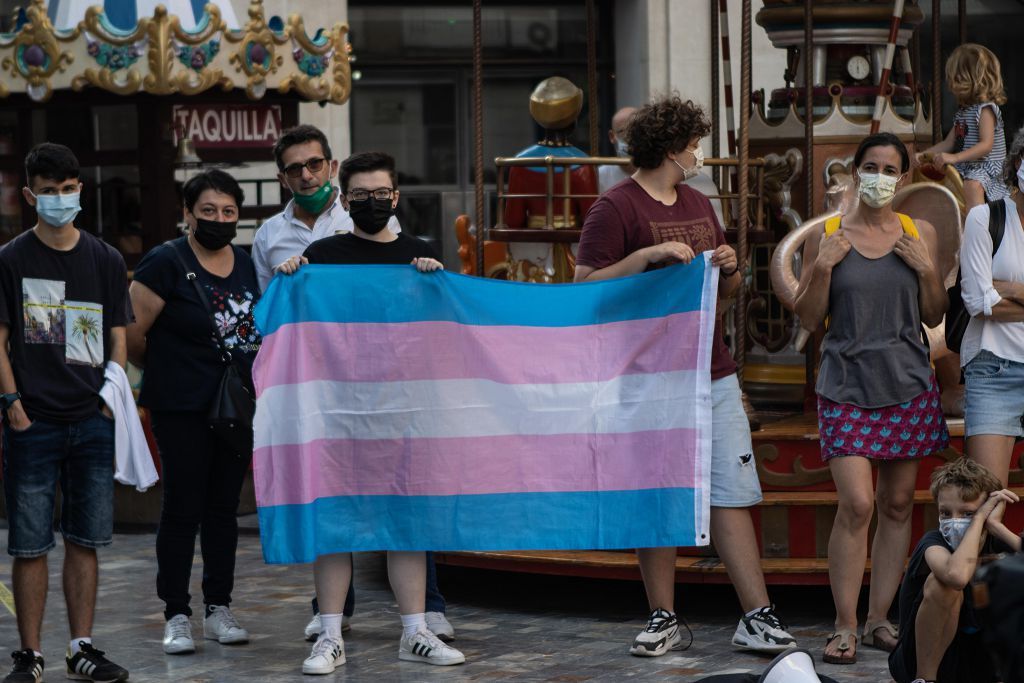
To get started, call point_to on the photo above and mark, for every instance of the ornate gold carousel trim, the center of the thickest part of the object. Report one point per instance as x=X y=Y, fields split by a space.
x=159 y=57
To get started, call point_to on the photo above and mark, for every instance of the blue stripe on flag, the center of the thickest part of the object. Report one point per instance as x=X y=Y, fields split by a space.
x=398 y=294
x=508 y=521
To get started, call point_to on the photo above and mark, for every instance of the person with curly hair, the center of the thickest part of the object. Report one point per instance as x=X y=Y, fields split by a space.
x=651 y=220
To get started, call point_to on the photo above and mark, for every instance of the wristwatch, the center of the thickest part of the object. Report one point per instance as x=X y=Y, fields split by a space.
x=7 y=400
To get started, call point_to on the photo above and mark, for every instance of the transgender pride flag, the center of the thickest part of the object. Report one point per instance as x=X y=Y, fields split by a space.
x=400 y=410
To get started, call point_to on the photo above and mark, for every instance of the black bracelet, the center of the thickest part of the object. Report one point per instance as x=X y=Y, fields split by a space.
x=722 y=273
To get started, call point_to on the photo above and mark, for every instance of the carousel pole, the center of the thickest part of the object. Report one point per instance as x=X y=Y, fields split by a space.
x=890 y=52
x=730 y=115
x=808 y=109
x=936 y=78
x=595 y=149
x=744 y=190
x=478 y=136
x=716 y=104
x=962 y=20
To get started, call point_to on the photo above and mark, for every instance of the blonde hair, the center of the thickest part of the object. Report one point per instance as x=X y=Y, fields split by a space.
x=967 y=476
x=974 y=75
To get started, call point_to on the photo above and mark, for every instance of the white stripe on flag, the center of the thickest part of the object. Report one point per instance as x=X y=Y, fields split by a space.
x=299 y=413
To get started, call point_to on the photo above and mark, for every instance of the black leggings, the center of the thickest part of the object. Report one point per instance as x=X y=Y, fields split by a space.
x=202 y=481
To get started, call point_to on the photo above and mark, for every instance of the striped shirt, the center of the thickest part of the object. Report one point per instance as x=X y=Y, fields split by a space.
x=989 y=169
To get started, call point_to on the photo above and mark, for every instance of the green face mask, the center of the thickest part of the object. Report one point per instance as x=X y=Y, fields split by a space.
x=316 y=202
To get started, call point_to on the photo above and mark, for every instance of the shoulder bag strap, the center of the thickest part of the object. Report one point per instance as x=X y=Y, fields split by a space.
x=996 y=223
x=191 y=276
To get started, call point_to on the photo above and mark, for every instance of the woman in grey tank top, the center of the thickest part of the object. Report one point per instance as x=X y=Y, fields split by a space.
x=876 y=279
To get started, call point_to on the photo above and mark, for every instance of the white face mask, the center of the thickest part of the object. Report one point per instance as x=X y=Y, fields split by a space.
x=877 y=189
x=954 y=529
x=621 y=148
x=698 y=157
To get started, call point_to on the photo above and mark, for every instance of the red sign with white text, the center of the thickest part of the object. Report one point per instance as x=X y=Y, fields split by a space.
x=227 y=126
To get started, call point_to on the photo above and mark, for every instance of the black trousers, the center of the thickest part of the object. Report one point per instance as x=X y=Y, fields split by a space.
x=202 y=481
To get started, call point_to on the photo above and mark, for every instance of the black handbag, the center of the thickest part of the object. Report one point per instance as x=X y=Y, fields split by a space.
x=233 y=407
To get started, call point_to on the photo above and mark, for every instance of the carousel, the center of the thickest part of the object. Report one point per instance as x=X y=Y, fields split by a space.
x=788 y=169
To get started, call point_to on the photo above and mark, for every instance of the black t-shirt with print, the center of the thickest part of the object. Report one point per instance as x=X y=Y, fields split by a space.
x=183 y=366
x=350 y=249
x=59 y=307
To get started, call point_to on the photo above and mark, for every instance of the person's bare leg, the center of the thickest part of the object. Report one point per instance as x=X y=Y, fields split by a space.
x=936 y=624
x=332 y=574
x=732 y=531
x=80 y=578
x=658 y=569
x=993 y=451
x=974 y=194
x=895 y=501
x=848 y=543
x=407 y=572
x=30 y=578
x=947 y=374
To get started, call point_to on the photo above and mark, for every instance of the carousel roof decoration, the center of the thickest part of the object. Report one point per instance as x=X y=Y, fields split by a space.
x=167 y=54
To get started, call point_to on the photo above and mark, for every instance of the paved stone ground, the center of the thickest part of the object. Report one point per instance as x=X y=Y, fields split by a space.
x=511 y=627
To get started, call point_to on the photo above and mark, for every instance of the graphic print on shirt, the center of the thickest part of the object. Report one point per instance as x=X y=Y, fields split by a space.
x=51 y=319
x=698 y=233
x=233 y=315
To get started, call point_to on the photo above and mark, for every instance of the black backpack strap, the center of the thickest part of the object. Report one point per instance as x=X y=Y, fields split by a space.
x=996 y=223
x=190 y=275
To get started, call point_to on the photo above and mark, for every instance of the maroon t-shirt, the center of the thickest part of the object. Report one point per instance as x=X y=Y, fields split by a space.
x=626 y=218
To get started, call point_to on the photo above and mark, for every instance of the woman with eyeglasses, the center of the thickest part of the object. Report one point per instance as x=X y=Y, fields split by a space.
x=873 y=273
x=173 y=339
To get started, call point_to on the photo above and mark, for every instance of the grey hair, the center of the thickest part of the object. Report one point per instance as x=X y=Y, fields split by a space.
x=1015 y=154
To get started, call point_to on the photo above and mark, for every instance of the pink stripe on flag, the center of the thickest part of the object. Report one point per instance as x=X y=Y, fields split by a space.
x=298 y=474
x=394 y=352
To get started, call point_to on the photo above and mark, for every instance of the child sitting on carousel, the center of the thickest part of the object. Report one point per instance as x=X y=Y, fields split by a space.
x=939 y=631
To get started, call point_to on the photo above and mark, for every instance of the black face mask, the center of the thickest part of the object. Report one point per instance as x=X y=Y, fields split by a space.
x=371 y=215
x=214 y=235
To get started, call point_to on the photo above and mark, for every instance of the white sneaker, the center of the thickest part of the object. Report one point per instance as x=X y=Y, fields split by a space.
x=327 y=654
x=222 y=626
x=659 y=636
x=178 y=636
x=425 y=647
x=440 y=626
x=763 y=632
x=315 y=627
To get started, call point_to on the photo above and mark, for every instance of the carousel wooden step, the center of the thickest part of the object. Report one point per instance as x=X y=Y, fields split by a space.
x=623 y=565
x=831 y=498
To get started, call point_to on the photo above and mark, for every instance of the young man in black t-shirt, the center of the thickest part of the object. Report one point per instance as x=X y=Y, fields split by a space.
x=63 y=311
x=939 y=639
x=369 y=195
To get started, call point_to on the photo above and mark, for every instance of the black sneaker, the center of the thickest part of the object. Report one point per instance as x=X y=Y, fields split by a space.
x=27 y=668
x=89 y=664
x=660 y=635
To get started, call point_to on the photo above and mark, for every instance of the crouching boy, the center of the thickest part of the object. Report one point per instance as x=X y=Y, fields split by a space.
x=939 y=640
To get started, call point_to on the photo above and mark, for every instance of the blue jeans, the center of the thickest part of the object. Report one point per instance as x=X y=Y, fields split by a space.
x=78 y=454
x=434 y=603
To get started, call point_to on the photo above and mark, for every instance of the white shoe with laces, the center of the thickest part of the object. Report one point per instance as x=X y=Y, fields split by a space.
x=178 y=636
x=327 y=654
x=425 y=647
x=763 y=632
x=439 y=625
x=222 y=626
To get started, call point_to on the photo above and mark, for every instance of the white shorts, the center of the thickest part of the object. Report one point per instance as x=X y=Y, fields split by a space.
x=734 y=482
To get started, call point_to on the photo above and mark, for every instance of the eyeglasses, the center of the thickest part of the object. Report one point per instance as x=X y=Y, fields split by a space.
x=314 y=166
x=363 y=195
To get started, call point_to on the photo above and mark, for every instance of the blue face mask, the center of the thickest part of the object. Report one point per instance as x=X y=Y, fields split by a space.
x=622 y=148
x=57 y=210
x=953 y=530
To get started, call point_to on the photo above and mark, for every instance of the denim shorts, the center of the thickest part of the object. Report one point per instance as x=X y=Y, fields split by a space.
x=734 y=482
x=80 y=455
x=994 y=396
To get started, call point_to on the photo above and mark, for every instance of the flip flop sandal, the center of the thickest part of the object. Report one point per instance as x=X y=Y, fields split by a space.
x=871 y=640
x=844 y=635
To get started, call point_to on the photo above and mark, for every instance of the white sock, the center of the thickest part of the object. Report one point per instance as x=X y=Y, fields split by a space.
x=37 y=653
x=75 y=648
x=331 y=625
x=413 y=623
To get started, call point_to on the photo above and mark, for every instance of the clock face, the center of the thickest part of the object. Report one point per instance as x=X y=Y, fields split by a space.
x=858 y=67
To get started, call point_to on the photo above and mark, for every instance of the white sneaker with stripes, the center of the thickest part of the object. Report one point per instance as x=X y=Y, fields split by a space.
x=327 y=654
x=425 y=647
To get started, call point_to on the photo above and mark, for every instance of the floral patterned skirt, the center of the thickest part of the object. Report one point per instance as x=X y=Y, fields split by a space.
x=905 y=431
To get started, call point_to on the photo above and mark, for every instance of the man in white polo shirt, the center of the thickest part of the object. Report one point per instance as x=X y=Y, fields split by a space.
x=306 y=169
